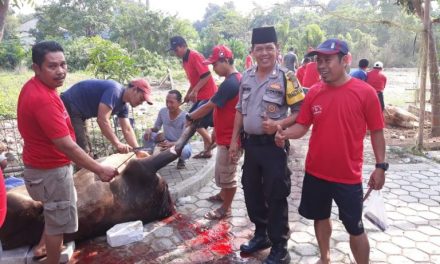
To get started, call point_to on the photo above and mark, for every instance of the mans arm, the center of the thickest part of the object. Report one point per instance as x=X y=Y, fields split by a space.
x=234 y=148
x=202 y=111
x=191 y=95
x=377 y=177
x=77 y=155
x=128 y=132
x=103 y=119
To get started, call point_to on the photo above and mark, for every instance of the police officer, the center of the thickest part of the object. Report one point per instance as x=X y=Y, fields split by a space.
x=266 y=178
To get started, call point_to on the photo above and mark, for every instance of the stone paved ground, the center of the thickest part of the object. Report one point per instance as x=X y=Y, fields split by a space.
x=412 y=197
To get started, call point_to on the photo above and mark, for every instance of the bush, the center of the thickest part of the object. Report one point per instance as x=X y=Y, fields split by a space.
x=109 y=61
x=149 y=63
x=11 y=54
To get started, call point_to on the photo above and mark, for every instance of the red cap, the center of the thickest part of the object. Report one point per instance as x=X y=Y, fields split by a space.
x=218 y=52
x=144 y=86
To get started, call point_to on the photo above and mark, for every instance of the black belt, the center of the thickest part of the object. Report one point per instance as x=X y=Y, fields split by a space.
x=259 y=139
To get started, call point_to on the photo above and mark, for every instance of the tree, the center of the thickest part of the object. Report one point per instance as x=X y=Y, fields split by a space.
x=416 y=7
x=70 y=18
x=4 y=7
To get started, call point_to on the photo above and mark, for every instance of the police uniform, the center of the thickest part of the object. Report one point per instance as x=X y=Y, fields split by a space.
x=266 y=177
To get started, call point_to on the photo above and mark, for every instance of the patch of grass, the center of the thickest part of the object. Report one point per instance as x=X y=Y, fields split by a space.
x=12 y=82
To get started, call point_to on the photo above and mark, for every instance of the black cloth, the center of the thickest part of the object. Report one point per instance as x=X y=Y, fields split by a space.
x=266 y=184
x=382 y=103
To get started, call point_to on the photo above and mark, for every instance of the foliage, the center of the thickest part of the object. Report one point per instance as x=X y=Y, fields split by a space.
x=70 y=19
x=78 y=51
x=135 y=26
x=149 y=63
x=109 y=61
x=11 y=54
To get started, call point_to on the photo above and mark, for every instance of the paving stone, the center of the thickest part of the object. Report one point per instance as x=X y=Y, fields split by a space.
x=415 y=254
x=239 y=221
x=302 y=237
x=403 y=242
x=428 y=247
x=388 y=248
x=416 y=236
x=377 y=255
x=428 y=215
x=163 y=244
x=399 y=260
x=306 y=249
x=164 y=232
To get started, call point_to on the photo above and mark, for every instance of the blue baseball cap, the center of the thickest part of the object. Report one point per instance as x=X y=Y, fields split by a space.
x=329 y=47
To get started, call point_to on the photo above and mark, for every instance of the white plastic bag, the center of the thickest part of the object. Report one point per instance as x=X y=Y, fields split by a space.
x=375 y=210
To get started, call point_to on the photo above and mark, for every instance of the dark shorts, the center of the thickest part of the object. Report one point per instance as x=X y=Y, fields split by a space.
x=317 y=197
x=207 y=120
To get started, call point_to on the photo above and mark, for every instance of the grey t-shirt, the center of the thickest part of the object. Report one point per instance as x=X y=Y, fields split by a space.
x=173 y=129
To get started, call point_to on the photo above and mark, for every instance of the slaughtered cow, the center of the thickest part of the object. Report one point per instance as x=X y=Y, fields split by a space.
x=138 y=193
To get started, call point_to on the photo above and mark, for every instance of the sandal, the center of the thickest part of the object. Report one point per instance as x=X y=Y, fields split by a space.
x=218 y=214
x=215 y=198
x=202 y=155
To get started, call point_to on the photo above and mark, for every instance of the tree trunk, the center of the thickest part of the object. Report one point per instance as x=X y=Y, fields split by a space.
x=435 y=85
x=426 y=27
x=3 y=13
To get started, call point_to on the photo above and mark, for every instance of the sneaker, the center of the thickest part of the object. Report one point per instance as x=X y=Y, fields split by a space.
x=181 y=164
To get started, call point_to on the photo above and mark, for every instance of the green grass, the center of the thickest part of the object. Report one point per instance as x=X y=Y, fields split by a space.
x=12 y=82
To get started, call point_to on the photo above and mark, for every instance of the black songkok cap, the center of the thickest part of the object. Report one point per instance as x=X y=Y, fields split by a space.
x=264 y=35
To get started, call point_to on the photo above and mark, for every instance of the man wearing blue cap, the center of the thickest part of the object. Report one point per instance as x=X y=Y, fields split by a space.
x=264 y=100
x=341 y=109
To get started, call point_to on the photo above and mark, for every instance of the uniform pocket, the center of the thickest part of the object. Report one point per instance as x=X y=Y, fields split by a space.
x=272 y=104
x=57 y=213
x=245 y=102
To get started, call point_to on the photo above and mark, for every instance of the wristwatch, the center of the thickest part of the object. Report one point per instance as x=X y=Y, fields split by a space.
x=188 y=117
x=384 y=166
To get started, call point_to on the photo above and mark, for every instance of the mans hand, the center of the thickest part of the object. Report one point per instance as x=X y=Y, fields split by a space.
x=164 y=145
x=147 y=135
x=123 y=148
x=234 y=152
x=280 y=138
x=269 y=125
x=142 y=154
x=107 y=173
x=377 y=179
x=193 y=96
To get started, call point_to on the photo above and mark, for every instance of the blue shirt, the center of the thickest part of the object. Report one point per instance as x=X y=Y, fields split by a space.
x=86 y=96
x=359 y=74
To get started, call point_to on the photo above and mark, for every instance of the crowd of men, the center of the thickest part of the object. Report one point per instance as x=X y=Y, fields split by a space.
x=251 y=113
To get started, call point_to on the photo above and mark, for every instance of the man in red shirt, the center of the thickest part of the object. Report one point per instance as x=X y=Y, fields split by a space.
x=311 y=75
x=249 y=62
x=202 y=85
x=302 y=70
x=378 y=80
x=49 y=148
x=223 y=103
x=340 y=108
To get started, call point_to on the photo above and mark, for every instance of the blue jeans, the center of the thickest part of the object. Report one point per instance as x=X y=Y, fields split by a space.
x=151 y=144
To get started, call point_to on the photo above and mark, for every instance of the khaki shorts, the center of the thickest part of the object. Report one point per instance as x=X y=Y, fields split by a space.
x=225 y=170
x=55 y=189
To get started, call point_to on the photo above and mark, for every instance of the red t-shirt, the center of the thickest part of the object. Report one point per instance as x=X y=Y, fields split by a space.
x=249 y=62
x=311 y=75
x=224 y=113
x=340 y=117
x=376 y=79
x=41 y=117
x=2 y=199
x=300 y=74
x=194 y=69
